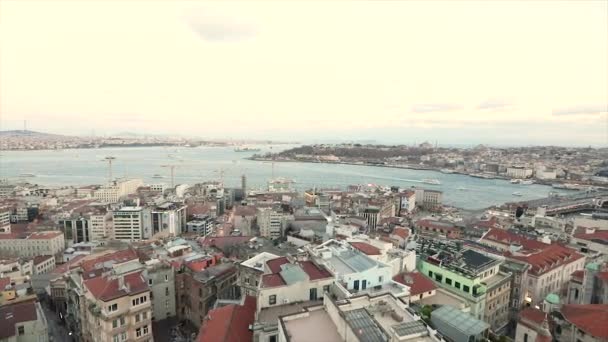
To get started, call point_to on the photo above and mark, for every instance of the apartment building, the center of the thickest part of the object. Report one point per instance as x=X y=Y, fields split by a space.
x=438 y=229
x=250 y=273
x=43 y=264
x=271 y=223
x=407 y=202
x=112 y=192
x=428 y=198
x=5 y=220
x=472 y=276
x=168 y=219
x=161 y=280
x=197 y=291
x=519 y=172
x=32 y=244
x=23 y=322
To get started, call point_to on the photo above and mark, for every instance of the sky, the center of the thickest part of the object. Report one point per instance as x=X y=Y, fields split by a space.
x=504 y=73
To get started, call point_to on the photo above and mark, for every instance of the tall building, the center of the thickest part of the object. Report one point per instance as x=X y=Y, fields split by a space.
x=271 y=223
x=168 y=219
x=128 y=223
x=112 y=192
x=5 y=220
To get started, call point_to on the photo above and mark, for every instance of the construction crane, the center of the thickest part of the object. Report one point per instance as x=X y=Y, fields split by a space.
x=109 y=159
x=172 y=168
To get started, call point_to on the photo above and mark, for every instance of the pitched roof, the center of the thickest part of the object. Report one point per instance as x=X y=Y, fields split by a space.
x=417 y=282
x=401 y=232
x=118 y=257
x=532 y=315
x=272 y=280
x=507 y=238
x=275 y=264
x=578 y=274
x=13 y=314
x=229 y=323
x=3 y=282
x=549 y=258
x=41 y=258
x=590 y=318
x=600 y=236
x=315 y=272
x=366 y=248
x=107 y=289
x=72 y=263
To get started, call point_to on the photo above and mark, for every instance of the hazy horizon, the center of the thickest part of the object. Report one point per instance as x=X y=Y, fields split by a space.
x=461 y=73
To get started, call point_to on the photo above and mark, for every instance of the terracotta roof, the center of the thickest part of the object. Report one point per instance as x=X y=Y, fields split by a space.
x=65 y=267
x=275 y=264
x=41 y=258
x=549 y=258
x=401 y=232
x=599 y=235
x=315 y=272
x=417 y=282
x=507 y=238
x=436 y=224
x=13 y=314
x=107 y=289
x=578 y=274
x=492 y=222
x=532 y=315
x=272 y=280
x=590 y=318
x=118 y=257
x=229 y=323
x=366 y=248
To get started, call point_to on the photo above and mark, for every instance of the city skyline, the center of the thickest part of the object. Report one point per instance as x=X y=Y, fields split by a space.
x=460 y=73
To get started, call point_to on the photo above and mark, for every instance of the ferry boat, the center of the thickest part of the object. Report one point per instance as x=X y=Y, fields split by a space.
x=527 y=182
x=446 y=171
x=246 y=149
x=431 y=181
x=515 y=181
x=27 y=175
x=517 y=193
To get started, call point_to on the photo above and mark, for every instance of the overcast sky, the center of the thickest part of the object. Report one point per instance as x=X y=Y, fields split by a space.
x=511 y=72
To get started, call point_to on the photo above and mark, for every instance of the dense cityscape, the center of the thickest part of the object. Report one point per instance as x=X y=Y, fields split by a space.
x=129 y=260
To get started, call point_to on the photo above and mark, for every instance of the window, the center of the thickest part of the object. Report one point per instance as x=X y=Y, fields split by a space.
x=166 y=304
x=166 y=277
x=448 y=281
x=525 y=337
x=116 y=338
x=457 y=284
x=438 y=277
x=113 y=307
x=465 y=288
x=272 y=300
x=272 y=338
x=431 y=274
x=137 y=318
x=166 y=291
x=145 y=329
x=21 y=330
x=247 y=281
x=115 y=324
x=149 y=281
x=122 y=321
x=144 y=315
x=138 y=332
x=200 y=292
x=326 y=289
x=123 y=336
x=380 y=278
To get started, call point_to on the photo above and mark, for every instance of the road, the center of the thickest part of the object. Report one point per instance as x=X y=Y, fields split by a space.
x=57 y=329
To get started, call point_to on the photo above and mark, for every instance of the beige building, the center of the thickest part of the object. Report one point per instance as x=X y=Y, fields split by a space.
x=112 y=192
x=118 y=308
x=271 y=223
x=23 y=322
x=5 y=220
x=128 y=224
x=44 y=264
x=100 y=226
x=32 y=244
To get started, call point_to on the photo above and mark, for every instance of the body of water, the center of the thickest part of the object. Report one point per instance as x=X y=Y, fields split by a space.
x=192 y=165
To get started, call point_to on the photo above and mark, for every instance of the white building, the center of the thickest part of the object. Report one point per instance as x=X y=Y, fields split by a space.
x=519 y=172
x=128 y=223
x=168 y=219
x=271 y=223
x=37 y=243
x=100 y=226
x=5 y=221
x=111 y=193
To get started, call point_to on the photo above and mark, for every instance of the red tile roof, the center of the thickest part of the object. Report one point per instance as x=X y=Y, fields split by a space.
x=492 y=222
x=275 y=264
x=590 y=318
x=107 y=289
x=507 y=238
x=549 y=258
x=599 y=235
x=118 y=257
x=417 y=282
x=272 y=280
x=366 y=248
x=578 y=274
x=315 y=272
x=10 y=315
x=229 y=323
x=65 y=267
x=532 y=315
x=401 y=232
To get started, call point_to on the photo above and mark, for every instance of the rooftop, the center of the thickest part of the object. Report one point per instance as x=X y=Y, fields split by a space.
x=109 y=288
x=417 y=282
x=229 y=323
x=317 y=326
x=10 y=315
x=460 y=321
x=587 y=318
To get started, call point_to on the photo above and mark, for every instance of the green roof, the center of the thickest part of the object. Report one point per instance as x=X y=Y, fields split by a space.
x=593 y=266
x=552 y=298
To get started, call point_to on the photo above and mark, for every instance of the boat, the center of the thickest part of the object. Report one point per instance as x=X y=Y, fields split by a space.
x=515 y=181
x=446 y=171
x=27 y=175
x=431 y=181
x=517 y=193
x=462 y=188
x=527 y=182
x=158 y=176
x=246 y=149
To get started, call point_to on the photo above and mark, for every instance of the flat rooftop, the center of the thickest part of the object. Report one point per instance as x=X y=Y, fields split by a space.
x=318 y=326
x=271 y=315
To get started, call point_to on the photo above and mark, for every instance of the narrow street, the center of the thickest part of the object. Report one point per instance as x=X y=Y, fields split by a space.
x=57 y=330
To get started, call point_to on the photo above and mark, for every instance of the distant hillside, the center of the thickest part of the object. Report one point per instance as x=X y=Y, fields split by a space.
x=26 y=133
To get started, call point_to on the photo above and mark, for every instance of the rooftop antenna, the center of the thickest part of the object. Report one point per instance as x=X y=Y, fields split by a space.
x=172 y=168
x=109 y=159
